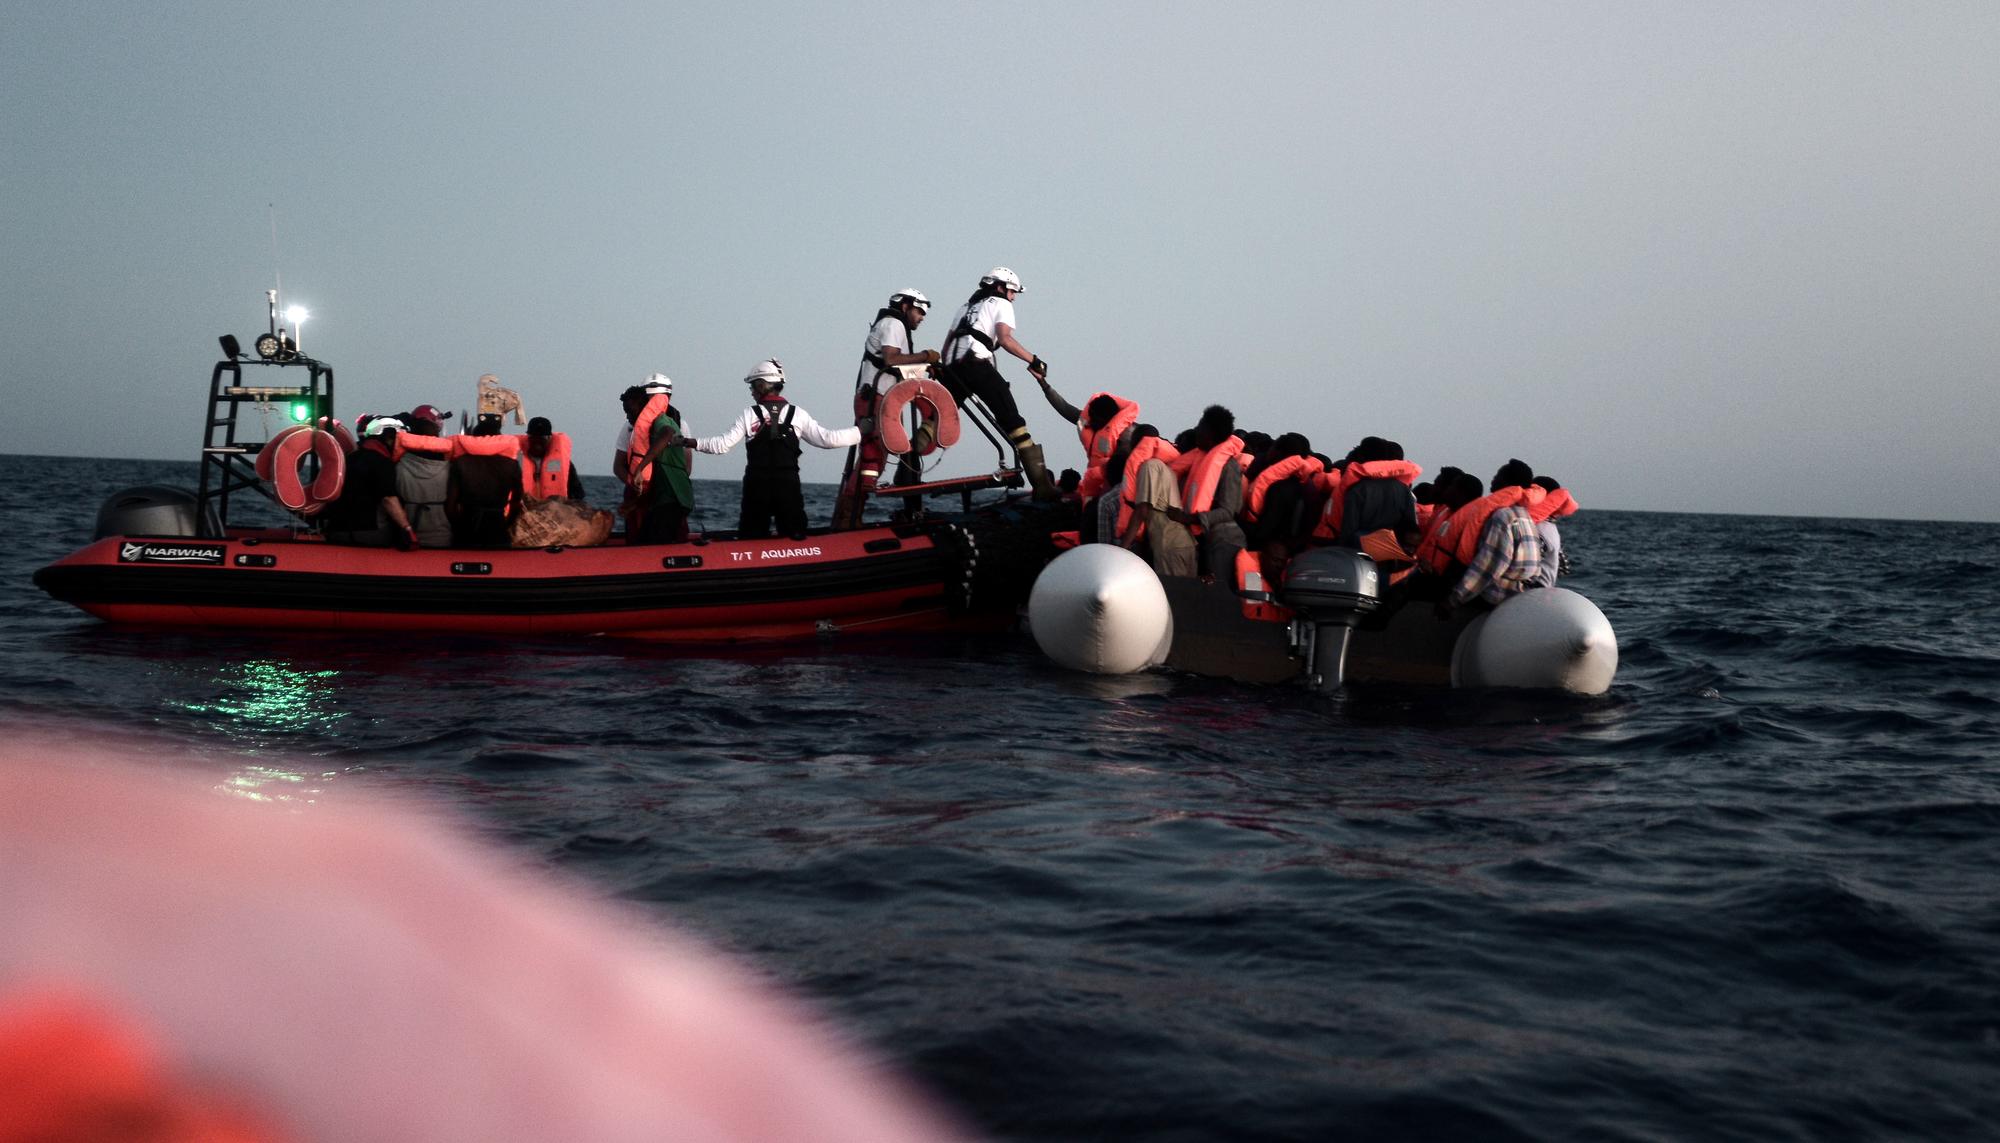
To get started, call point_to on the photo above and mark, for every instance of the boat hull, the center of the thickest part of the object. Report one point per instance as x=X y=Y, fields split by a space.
x=882 y=579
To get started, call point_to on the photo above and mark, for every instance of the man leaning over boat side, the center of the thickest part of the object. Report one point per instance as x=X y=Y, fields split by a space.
x=984 y=324
x=369 y=512
x=1507 y=559
x=774 y=427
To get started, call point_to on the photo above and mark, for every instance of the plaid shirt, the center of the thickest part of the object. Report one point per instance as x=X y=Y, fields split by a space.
x=1508 y=559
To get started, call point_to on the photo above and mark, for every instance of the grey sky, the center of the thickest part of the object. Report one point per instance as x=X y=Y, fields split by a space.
x=1729 y=257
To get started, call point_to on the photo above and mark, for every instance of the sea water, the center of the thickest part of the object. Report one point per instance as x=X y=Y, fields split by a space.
x=1750 y=893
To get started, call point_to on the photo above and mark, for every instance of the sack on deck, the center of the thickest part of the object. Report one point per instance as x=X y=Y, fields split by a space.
x=570 y=523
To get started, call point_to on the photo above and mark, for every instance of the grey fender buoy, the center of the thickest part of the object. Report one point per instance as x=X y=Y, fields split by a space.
x=1547 y=638
x=1099 y=608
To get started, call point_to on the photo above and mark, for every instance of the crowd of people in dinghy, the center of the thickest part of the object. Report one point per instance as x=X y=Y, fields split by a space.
x=1222 y=503
x=1209 y=501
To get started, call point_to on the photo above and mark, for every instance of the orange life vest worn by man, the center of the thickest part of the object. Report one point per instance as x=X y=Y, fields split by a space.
x=546 y=469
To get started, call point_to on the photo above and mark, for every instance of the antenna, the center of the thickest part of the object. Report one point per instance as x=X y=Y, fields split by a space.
x=277 y=275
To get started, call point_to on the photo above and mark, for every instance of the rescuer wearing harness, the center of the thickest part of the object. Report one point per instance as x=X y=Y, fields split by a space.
x=890 y=343
x=546 y=470
x=771 y=478
x=985 y=323
x=369 y=513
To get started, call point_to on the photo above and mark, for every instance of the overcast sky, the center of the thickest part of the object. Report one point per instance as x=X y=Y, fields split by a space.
x=1704 y=257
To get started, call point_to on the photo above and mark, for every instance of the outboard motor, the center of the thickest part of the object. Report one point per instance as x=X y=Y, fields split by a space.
x=1333 y=590
x=155 y=510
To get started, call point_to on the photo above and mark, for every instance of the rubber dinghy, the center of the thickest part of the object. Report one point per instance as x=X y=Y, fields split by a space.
x=1102 y=609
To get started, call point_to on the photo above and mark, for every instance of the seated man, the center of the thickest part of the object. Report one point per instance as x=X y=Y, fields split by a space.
x=1155 y=496
x=369 y=512
x=484 y=488
x=1212 y=492
x=423 y=477
x=546 y=469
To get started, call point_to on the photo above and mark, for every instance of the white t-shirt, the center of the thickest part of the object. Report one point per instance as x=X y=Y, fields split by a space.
x=987 y=317
x=887 y=333
x=625 y=438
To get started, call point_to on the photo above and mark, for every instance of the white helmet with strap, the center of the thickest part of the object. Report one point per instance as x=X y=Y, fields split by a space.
x=770 y=369
x=1002 y=276
x=914 y=297
x=657 y=384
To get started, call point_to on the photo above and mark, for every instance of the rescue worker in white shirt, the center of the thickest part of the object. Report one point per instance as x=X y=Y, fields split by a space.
x=985 y=323
x=771 y=478
x=891 y=342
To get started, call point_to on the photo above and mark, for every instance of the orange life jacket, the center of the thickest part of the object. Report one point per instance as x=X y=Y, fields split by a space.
x=1151 y=448
x=1434 y=550
x=1304 y=469
x=1356 y=472
x=1554 y=506
x=1425 y=514
x=1468 y=522
x=549 y=476
x=1259 y=602
x=1198 y=494
x=495 y=445
x=1382 y=546
x=413 y=442
x=1100 y=443
x=637 y=471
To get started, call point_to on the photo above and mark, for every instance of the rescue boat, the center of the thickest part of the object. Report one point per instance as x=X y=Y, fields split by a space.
x=171 y=558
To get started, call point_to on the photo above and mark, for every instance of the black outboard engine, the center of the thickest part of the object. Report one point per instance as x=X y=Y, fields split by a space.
x=155 y=510
x=1333 y=590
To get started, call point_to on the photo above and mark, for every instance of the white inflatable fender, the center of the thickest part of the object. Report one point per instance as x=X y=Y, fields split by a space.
x=1099 y=608
x=1546 y=638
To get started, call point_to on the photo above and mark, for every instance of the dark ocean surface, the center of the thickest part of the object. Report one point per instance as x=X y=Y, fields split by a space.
x=1750 y=894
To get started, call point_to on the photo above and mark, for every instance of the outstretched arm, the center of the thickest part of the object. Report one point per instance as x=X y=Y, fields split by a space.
x=1057 y=402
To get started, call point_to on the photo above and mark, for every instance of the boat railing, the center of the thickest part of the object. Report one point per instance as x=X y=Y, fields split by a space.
x=229 y=450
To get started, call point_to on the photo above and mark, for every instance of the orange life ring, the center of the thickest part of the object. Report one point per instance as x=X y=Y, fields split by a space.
x=287 y=452
x=269 y=452
x=931 y=400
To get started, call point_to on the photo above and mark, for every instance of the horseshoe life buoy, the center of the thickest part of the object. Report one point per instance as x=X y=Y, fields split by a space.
x=280 y=461
x=931 y=400
x=269 y=452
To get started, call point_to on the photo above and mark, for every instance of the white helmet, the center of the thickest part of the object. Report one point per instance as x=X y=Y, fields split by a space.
x=1002 y=276
x=657 y=383
x=769 y=369
x=380 y=425
x=915 y=297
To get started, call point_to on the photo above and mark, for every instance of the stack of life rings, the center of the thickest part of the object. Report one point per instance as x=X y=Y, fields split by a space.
x=282 y=464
